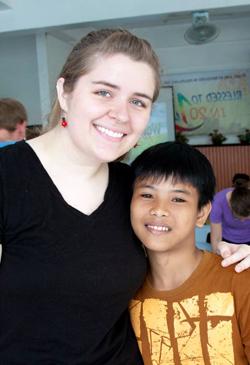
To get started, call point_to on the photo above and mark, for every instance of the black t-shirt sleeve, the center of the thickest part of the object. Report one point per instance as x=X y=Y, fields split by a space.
x=1 y=201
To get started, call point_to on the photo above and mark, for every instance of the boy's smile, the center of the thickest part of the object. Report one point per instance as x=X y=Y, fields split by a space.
x=157 y=229
x=164 y=214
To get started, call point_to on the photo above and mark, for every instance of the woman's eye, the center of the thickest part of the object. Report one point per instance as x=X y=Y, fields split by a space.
x=103 y=93
x=138 y=102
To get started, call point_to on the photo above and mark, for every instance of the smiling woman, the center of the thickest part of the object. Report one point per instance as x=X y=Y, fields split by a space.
x=115 y=109
x=71 y=262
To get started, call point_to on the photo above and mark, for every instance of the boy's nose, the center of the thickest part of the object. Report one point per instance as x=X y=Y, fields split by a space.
x=159 y=211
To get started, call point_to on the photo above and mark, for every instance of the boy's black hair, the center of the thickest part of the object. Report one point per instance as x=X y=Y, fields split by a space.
x=179 y=161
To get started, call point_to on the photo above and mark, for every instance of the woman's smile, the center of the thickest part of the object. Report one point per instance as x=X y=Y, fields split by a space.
x=109 y=108
x=110 y=134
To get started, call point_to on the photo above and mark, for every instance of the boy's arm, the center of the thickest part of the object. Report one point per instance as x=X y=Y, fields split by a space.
x=242 y=301
x=216 y=235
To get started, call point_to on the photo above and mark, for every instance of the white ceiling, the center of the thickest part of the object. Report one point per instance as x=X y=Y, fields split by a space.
x=33 y=15
x=4 y=5
x=162 y=29
x=168 y=29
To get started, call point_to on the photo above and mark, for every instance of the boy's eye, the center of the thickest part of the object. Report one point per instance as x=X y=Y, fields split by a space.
x=146 y=195
x=178 y=200
x=103 y=93
x=138 y=102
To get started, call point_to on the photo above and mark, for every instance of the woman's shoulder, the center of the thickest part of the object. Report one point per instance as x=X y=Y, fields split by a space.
x=11 y=149
x=121 y=165
x=15 y=157
x=120 y=177
x=121 y=169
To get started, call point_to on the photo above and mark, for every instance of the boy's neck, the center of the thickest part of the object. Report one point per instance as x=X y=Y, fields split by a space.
x=169 y=270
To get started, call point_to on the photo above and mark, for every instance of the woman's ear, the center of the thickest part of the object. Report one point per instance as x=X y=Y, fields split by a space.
x=203 y=214
x=62 y=96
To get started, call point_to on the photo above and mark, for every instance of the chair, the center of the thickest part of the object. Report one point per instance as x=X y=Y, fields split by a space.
x=201 y=237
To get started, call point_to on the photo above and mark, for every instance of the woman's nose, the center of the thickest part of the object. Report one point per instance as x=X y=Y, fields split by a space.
x=119 y=111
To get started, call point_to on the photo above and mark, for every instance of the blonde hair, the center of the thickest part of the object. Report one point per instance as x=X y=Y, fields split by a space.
x=101 y=43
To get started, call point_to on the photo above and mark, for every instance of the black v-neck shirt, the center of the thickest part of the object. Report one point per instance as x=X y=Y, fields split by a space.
x=65 y=278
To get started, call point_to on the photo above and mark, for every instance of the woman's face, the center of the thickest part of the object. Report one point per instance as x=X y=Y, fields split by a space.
x=109 y=107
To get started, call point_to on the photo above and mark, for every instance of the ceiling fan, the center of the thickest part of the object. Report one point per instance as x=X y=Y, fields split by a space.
x=201 y=31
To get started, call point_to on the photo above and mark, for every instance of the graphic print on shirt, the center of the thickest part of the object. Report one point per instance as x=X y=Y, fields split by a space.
x=187 y=331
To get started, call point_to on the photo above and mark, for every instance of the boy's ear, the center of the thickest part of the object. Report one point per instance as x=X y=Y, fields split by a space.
x=203 y=214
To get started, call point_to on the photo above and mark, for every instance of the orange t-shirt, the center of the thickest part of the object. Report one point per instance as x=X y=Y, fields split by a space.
x=204 y=321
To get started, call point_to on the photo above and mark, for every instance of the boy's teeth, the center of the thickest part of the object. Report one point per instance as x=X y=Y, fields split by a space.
x=109 y=132
x=158 y=228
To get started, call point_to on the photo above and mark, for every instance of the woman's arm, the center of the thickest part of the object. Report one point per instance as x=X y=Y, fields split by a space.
x=216 y=236
x=233 y=253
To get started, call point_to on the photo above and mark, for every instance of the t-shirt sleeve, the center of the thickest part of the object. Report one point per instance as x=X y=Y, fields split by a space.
x=1 y=202
x=242 y=303
x=216 y=212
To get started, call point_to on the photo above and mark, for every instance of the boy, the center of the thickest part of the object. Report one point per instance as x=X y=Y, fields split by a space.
x=190 y=309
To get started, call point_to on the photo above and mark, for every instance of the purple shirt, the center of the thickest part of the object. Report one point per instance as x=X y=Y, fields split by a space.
x=233 y=229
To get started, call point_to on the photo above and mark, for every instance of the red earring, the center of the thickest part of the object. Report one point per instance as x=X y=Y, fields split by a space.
x=64 y=123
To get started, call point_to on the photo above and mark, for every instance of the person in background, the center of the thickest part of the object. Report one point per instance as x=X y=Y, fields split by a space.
x=71 y=262
x=190 y=309
x=230 y=214
x=241 y=178
x=33 y=131
x=13 y=121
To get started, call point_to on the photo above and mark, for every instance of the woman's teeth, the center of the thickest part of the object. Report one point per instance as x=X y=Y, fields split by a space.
x=108 y=132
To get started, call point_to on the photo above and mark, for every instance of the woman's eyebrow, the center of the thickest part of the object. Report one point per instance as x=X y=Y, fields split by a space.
x=142 y=95
x=106 y=84
x=113 y=86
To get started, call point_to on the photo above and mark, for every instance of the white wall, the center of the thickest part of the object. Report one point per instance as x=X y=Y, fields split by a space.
x=58 y=51
x=19 y=73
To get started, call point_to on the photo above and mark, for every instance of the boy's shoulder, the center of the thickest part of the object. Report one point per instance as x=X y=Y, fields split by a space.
x=215 y=261
x=218 y=259
x=215 y=279
x=210 y=273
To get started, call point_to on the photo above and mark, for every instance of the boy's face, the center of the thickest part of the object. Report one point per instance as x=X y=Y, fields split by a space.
x=164 y=214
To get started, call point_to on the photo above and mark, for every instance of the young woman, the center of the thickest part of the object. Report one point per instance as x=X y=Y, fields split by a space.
x=70 y=261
